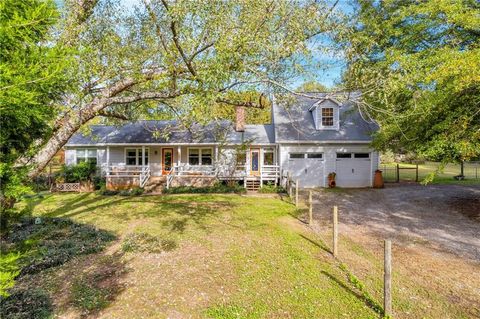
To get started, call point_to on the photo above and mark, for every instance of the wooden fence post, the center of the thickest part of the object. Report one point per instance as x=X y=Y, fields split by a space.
x=387 y=279
x=335 y=231
x=310 y=208
x=398 y=173
x=416 y=175
x=296 y=192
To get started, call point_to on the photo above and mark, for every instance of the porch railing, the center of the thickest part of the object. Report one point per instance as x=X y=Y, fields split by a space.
x=170 y=176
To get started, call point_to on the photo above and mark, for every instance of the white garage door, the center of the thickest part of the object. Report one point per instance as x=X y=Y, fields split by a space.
x=353 y=170
x=307 y=168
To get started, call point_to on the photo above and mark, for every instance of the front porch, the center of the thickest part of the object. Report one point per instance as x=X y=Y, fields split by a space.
x=189 y=166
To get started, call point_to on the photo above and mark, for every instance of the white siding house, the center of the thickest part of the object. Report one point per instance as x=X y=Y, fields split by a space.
x=310 y=136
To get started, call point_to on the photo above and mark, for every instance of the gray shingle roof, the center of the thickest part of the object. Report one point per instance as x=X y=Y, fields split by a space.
x=294 y=122
x=172 y=132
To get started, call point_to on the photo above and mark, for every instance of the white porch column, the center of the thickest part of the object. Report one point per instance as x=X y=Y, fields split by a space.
x=179 y=155
x=108 y=161
x=143 y=156
x=216 y=154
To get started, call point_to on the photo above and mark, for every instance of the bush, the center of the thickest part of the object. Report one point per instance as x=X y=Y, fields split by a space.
x=82 y=172
x=143 y=242
x=99 y=182
x=217 y=188
x=271 y=189
x=137 y=191
x=54 y=242
x=106 y=192
x=26 y=303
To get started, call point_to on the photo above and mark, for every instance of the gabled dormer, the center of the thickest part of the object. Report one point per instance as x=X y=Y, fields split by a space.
x=326 y=114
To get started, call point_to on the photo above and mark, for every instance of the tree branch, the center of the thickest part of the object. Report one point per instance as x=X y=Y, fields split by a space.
x=113 y=114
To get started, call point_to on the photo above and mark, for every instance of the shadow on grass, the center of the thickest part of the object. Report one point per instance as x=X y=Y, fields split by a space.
x=368 y=302
x=320 y=244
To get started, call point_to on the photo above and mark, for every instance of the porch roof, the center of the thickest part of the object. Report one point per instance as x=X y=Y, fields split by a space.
x=173 y=132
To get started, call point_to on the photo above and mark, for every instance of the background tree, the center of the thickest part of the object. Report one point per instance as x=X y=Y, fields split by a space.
x=312 y=86
x=418 y=66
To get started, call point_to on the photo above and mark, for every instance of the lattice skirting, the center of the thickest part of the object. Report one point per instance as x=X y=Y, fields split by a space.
x=67 y=187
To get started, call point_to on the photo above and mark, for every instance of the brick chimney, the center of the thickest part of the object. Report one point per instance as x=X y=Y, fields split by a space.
x=240 y=119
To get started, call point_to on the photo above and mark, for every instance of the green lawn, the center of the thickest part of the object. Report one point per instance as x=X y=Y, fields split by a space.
x=201 y=256
x=445 y=176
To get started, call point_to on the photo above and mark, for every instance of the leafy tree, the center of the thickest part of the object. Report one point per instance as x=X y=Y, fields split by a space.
x=312 y=86
x=32 y=76
x=418 y=66
x=190 y=59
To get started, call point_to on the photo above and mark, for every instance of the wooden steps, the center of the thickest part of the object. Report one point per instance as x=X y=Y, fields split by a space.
x=252 y=184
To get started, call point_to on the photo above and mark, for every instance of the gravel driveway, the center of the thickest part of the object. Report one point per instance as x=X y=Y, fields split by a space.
x=444 y=217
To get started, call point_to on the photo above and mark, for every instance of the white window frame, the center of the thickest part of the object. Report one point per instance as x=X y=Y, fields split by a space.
x=138 y=159
x=86 y=157
x=200 y=155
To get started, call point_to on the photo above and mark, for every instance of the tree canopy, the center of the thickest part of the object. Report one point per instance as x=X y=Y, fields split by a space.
x=417 y=64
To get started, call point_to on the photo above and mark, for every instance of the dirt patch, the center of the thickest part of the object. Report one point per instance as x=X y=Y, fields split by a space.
x=467 y=206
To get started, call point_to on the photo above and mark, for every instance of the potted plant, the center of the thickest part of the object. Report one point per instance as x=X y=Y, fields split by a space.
x=331 y=179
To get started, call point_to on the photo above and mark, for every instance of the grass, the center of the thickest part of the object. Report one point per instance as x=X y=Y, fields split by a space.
x=202 y=256
x=471 y=171
x=227 y=256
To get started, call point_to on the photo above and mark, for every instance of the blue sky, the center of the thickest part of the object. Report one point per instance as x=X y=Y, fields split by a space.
x=331 y=64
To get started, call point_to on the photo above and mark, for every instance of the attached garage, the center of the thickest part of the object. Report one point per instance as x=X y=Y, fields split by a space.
x=353 y=169
x=307 y=167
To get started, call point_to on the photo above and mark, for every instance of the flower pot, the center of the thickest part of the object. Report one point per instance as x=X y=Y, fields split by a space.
x=378 y=179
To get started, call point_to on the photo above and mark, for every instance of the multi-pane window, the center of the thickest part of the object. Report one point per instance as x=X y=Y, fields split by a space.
x=86 y=155
x=327 y=116
x=362 y=155
x=206 y=156
x=133 y=156
x=268 y=156
x=200 y=156
x=344 y=155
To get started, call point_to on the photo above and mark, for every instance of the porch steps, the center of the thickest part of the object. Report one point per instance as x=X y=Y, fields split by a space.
x=252 y=184
x=155 y=184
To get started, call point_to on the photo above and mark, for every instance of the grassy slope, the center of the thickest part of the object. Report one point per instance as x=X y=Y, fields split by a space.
x=240 y=257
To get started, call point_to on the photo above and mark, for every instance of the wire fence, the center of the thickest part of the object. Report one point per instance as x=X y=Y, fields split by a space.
x=394 y=172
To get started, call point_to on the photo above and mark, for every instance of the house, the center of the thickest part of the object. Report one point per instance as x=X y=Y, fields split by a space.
x=310 y=136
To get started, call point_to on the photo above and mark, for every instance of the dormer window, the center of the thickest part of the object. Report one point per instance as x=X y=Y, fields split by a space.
x=327 y=116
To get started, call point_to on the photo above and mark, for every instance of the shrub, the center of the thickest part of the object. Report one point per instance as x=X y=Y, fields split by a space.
x=143 y=242
x=99 y=182
x=271 y=189
x=105 y=192
x=137 y=191
x=26 y=303
x=217 y=188
x=82 y=172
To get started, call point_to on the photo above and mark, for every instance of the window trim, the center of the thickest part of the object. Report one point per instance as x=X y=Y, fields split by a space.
x=335 y=115
x=350 y=153
x=315 y=153
x=138 y=160
x=86 y=157
x=200 y=155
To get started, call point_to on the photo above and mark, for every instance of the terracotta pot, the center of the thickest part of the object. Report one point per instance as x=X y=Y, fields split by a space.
x=378 y=179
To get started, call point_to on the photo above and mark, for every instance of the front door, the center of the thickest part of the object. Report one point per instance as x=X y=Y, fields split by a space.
x=167 y=160
x=255 y=161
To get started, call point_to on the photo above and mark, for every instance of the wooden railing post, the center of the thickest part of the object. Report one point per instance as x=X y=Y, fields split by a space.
x=296 y=192
x=335 y=231
x=310 y=208
x=387 y=279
